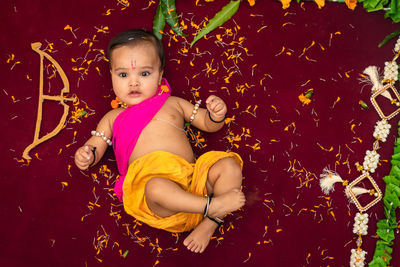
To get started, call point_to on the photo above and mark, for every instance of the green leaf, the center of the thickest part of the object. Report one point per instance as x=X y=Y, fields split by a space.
x=390 y=36
x=393 y=11
x=171 y=17
x=395 y=162
x=391 y=198
x=220 y=18
x=374 y=5
x=385 y=234
x=82 y=113
x=384 y=231
x=396 y=156
x=397 y=147
x=383 y=250
x=377 y=262
x=125 y=253
x=393 y=178
x=158 y=22
x=393 y=189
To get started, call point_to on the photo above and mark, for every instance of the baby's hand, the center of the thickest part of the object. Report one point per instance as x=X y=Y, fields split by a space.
x=83 y=157
x=217 y=108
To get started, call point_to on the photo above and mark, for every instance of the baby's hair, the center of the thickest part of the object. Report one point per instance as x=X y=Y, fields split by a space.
x=134 y=37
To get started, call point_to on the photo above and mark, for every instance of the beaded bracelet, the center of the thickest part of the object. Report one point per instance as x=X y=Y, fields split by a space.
x=195 y=109
x=209 y=115
x=107 y=140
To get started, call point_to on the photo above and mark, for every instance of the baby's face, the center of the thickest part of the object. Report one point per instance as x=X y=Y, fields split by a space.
x=135 y=72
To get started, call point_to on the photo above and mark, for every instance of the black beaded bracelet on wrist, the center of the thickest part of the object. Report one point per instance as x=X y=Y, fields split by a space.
x=209 y=115
x=94 y=156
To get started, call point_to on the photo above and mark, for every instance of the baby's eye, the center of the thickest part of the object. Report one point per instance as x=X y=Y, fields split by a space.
x=123 y=75
x=145 y=73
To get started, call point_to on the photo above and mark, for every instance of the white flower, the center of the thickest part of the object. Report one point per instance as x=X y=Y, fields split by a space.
x=360 y=224
x=397 y=46
x=357 y=257
x=371 y=160
x=391 y=71
x=382 y=129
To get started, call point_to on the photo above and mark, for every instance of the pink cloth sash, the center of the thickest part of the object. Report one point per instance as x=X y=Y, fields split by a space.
x=127 y=127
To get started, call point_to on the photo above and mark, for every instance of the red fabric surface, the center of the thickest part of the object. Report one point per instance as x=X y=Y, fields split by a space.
x=47 y=224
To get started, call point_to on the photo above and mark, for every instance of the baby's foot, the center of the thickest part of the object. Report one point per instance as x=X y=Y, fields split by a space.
x=199 y=238
x=225 y=203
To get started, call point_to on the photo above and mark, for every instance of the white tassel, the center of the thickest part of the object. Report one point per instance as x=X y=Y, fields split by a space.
x=356 y=191
x=328 y=179
x=373 y=74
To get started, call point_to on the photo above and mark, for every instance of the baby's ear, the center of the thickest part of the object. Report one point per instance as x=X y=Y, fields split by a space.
x=161 y=76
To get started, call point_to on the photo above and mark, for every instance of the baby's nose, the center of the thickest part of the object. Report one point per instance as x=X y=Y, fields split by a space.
x=134 y=82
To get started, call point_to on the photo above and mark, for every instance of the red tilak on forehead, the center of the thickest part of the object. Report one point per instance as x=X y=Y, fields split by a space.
x=133 y=66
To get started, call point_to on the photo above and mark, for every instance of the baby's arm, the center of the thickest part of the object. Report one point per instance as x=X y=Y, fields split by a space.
x=210 y=119
x=94 y=148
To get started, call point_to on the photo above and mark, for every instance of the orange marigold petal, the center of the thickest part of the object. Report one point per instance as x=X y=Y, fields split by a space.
x=251 y=2
x=351 y=4
x=304 y=99
x=320 y=3
x=164 y=88
x=285 y=3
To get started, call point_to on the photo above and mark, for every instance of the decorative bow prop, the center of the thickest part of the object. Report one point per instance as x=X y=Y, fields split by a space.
x=61 y=98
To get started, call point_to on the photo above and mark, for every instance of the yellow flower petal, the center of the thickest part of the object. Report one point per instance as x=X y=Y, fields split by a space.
x=320 y=3
x=285 y=3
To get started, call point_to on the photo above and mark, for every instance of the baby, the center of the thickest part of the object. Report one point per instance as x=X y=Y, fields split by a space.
x=161 y=183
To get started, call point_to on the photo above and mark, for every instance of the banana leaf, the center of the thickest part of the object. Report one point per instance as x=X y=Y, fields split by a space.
x=171 y=17
x=220 y=18
x=158 y=22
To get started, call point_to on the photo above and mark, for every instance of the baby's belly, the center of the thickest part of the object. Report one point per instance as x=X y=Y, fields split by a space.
x=176 y=143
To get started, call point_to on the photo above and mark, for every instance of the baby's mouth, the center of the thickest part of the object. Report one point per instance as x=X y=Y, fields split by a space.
x=134 y=93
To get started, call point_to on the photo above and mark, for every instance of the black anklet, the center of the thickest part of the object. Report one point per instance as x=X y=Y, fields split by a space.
x=217 y=220
x=209 y=198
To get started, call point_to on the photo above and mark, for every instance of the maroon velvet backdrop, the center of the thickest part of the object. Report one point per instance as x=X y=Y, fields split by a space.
x=54 y=215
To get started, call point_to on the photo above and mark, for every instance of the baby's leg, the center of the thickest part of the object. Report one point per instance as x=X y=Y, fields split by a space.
x=224 y=180
x=165 y=198
x=224 y=176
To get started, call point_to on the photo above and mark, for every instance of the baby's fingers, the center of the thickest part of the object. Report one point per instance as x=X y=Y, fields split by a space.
x=86 y=152
x=211 y=99
x=82 y=166
x=83 y=155
x=217 y=107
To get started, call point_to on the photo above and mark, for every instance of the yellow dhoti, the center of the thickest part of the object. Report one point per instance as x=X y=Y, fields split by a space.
x=191 y=177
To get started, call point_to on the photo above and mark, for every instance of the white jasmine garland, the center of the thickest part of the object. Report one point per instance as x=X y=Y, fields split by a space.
x=391 y=71
x=397 y=46
x=360 y=226
x=357 y=257
x=382 y=129
x=371 y=160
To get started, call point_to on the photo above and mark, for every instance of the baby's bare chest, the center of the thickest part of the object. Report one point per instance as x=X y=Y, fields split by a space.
x=165 y=132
